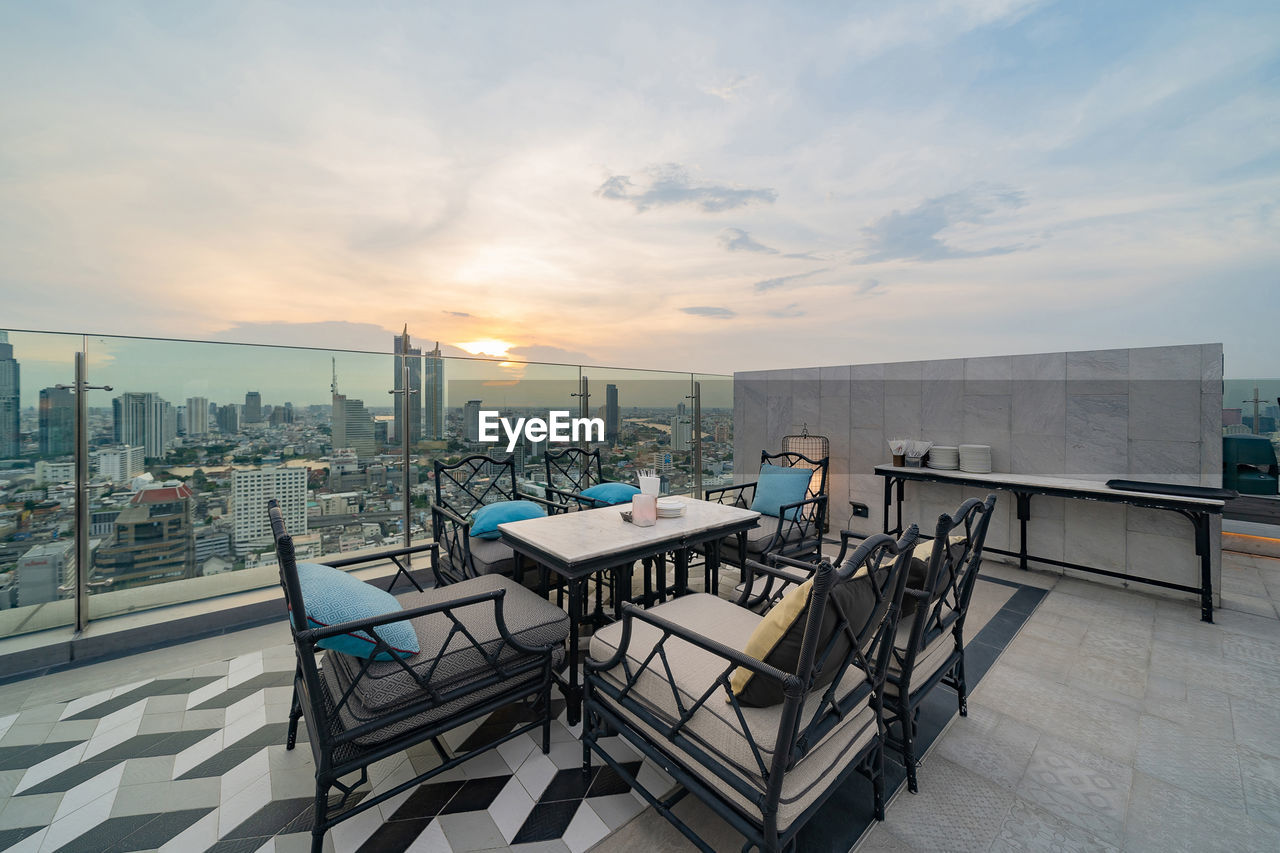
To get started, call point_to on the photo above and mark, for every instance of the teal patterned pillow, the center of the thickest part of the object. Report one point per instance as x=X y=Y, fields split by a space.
x=332 y=597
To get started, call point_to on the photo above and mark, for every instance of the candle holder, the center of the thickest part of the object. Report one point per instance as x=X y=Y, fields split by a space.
x=644 y=510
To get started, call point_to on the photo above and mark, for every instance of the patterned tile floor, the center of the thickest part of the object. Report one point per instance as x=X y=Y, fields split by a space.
x=194 y=760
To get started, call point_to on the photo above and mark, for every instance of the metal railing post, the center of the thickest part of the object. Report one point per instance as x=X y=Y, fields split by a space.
x=697 y=439
x=81 y=527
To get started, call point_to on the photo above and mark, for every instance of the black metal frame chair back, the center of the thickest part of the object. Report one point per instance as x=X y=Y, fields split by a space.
x=578 y=469
x=799 y=526
x=337 y=748
x=692 y=761
x=473 y=482
x=941 y=608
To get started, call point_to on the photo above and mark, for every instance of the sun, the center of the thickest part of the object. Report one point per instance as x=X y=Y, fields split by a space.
x=492 y=347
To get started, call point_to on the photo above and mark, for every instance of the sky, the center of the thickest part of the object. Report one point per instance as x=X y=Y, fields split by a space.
x=687 y=186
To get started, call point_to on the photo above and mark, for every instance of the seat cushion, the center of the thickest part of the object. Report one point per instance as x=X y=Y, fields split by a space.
x=331 y=596
x=715 y=726
x=759 y=538
x=386 y=687
x=610 y=494
x=929 y=660
x=492 y=557
x=918 y=566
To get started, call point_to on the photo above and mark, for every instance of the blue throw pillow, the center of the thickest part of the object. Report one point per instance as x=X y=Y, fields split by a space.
x=331 y=596
x=779 y=486
x=487 y=518
x=608 y=494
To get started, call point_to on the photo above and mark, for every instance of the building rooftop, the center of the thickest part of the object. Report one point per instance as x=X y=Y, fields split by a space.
x=1102 y=719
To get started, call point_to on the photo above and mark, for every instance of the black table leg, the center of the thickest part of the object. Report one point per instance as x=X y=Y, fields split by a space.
x=713 y=569
x=682 y=572
x=1201 y=522
x=1024 y=515
x=572 y=689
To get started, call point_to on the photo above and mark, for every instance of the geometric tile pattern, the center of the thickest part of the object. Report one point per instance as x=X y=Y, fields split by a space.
x=197 y=763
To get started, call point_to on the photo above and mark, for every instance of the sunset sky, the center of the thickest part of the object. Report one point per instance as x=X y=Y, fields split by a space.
x=711 y=187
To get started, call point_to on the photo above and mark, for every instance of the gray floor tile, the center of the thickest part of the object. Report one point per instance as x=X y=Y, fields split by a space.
x=990 y=744
x=1164 y=818
x=1261 y=776
x=1208 y=766
x=955 y=810
x=1087 y=790
x=1030 y=829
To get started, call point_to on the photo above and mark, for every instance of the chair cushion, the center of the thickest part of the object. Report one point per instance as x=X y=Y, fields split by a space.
x=386 y=687
x=484 y=524
x=918 y=567
x=779 y=486
x=609 y=494
x=492 y=557
x=778 y=637
x=715 y=726
x=760 y=538
x=929 y=660
x=332 y=596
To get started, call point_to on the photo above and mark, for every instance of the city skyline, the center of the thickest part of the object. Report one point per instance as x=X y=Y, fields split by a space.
x=584 y=185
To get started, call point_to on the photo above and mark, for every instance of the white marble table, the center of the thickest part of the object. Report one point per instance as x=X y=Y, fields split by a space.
x=1024 y=486
x=575 y=545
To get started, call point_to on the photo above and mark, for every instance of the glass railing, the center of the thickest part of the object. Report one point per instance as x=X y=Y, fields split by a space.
x=192 y=438
x=1251 y=446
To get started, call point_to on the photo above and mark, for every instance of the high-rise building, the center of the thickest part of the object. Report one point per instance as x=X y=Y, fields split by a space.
x=10 y=401
x=681 y=433
x=471 y=421
x=197 y=416
x=46 y=572
x=433 y=395
x=154 y=539
x=611 y=416
x=57 y=422
x=120 y=464
x=353 y=426
x=228 y=419
x=250 y=491
x=410 y=356
x=252 y=411
x=144 y=419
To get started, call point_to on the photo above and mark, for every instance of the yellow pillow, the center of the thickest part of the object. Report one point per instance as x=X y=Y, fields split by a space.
x=772 y=628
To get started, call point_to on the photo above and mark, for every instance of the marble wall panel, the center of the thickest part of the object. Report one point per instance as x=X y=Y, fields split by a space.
x=1039 y=407
x=1097 y=435
x=1176 y=362
x=1098 y=372
x=1039 y=454
x=1096 y=535
x=866 y=403
x=987 y=420
x=1041 y=367
x=990 y=375
x=1165 y=409
x=1165 y=461
x=1165 y=558
x=902 y=416
x=1211 y=442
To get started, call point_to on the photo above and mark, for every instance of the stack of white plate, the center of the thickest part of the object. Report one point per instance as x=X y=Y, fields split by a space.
x=975 y=458
x=944 y=458
x=670 y=507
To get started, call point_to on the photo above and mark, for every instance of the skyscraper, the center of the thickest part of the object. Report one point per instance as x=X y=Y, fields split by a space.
x=10 y=401
x=197 y=416
x=57 y=422
x=611 y=418
x=353 y=427
x=433 y=398
x=249 y=493
x=471 y=421
x=412 y=357
x=144 y=419
x=252 y=412
x=153 y=541
x=228 y=419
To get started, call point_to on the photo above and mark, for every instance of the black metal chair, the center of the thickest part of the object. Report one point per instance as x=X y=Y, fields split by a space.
x=461 y=489
x=797 y=531
x=663 y=679
x=928 y=647
x=484 y=643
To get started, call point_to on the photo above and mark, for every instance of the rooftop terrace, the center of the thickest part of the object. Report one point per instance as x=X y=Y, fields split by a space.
x=1103 y=719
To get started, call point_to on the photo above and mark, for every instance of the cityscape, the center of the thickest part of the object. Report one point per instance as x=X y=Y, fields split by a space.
x=178 y=487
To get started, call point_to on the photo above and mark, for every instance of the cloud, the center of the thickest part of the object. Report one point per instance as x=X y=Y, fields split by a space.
x=554 y=355
x=870 y=287
x=334 y=334
x=913 y=236
x=737 y=240
x=457 y=313
x=782 y=281
x=669 y=184
x=709 y=311
x=728 y=89
x=787 y=311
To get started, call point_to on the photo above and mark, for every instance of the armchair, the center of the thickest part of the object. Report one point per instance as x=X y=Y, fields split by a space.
x=928 y=648
x=461 y=489
x=670 y=680
x=375 y=685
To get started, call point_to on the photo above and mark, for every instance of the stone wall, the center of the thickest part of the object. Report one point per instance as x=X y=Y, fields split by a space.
x=1149 y=414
